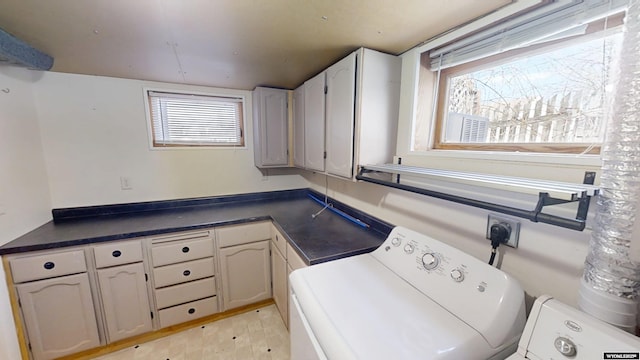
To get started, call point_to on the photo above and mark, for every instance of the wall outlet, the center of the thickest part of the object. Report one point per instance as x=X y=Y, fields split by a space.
x=511 y=224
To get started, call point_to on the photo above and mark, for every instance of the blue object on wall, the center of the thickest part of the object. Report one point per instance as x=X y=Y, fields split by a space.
x=17 y=51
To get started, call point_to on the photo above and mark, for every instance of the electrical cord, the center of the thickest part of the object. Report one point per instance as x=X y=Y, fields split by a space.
x=326 y=197
x=313 y=216
x=493 y=256
x=498 y=234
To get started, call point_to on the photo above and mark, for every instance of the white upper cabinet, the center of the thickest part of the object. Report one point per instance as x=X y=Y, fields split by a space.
x=343 y=117
x=362 y=98
x=270 y=120
x=377 y=107
x=298 y=127
x=341 y=92
x=314 y=123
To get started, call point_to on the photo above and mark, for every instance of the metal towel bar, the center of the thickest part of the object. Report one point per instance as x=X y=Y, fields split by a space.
x=549 y=192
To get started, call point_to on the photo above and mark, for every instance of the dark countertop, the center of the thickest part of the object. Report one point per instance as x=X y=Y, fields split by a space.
x=327 y=237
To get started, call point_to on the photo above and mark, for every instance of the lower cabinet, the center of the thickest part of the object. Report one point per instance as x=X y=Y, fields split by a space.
x=284 y=260
x=294 y=260
x=280 y=283
x=80 y=298
x=246 y=274
x=59 y=316
x=245 y=263
x=123 y=289
x=125 y=301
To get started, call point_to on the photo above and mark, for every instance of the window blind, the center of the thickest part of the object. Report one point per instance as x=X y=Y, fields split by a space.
x=182 y=119
x=541 y=24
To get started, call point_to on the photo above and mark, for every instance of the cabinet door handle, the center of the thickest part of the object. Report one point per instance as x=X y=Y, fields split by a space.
x=186 y=273
x=185 y=249
x=116 y=253
x=191 y=311
x=49 y=265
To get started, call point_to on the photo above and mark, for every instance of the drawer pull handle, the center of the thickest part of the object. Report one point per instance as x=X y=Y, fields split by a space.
x=49 y=265
x=191 y=311
x=185 y=249
x=116 y=253
x=186 y=273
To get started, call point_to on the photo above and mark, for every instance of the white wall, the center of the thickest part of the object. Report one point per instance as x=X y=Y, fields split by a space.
x=94 y=131
x=24 y=192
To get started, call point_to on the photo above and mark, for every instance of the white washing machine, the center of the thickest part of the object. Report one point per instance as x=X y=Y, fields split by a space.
x=557 y=331
x=412 y=298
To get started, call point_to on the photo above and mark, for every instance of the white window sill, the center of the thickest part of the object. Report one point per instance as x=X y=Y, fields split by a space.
x=555 y=167
x=519 y=157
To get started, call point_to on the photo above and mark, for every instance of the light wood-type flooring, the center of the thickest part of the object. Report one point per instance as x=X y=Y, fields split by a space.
x=256 y=334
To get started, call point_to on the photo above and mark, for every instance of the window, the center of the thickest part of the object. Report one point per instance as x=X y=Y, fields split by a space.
x=549 y=93
x=195 y=120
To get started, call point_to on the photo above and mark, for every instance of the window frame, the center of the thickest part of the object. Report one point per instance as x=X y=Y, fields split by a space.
x=216 y=93
x=415 y=134
x=594 y=30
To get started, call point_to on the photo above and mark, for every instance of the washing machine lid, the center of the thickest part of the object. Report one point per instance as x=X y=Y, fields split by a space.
x=359 y=309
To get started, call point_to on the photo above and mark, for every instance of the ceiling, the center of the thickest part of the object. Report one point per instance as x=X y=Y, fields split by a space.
x=226 y=43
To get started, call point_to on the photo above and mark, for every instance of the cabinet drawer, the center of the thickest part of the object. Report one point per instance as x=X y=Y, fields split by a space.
x=243 y=233
x=182 y=272
x=190 y=311
x=118 y=253
x=280 y=241
x=180 y=251
x=180 y=294
x=294 y=260
x=183 y=235
x=47 y=266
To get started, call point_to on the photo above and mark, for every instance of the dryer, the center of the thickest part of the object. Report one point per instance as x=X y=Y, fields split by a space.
x=412 y=298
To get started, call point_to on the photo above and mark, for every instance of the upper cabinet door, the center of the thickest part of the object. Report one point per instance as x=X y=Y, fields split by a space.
x=298 y=127
x=314 y=124
x=378 y=105
x=270 y=127
x=341 y=90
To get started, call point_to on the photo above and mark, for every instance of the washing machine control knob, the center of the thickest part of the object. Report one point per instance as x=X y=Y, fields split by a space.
x=457 y=275
x=396 y=241
x=565 y=346
x=430 y=261
x=408 y=248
